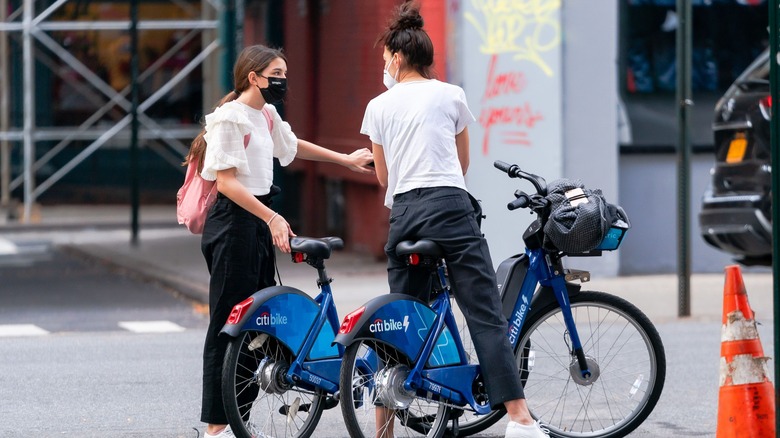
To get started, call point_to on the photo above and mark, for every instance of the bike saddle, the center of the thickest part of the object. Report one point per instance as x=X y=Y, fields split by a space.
x=422 y=247
x=316 y=247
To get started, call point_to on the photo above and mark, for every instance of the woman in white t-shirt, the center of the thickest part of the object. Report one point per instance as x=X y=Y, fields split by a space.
x=237 y=149
x=420 y=138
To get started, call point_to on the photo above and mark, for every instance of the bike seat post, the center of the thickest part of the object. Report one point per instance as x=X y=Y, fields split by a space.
x=441 y=271
x=322 y=274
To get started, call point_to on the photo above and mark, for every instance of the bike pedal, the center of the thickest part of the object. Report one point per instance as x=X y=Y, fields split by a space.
x=330 y=403
x=304 y=407
x=576 y=274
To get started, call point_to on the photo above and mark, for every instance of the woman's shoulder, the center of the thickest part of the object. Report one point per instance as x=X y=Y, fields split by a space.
x=232 y=111
x=446 y=86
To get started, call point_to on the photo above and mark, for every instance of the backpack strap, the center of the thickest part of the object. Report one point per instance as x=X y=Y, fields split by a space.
x=269 y=119
x=270 y=125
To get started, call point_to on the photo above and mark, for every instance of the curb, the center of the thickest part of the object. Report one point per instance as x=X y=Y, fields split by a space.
x=148 y=272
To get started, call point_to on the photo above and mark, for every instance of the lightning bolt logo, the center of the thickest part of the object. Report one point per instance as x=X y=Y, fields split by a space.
x=406 y=323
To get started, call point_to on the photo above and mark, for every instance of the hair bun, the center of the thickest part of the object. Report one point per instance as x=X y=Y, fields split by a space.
x=408 y=17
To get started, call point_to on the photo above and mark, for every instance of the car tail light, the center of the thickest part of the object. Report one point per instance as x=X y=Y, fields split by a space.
x=239 y=310
x=350 y=320
x=766 y=107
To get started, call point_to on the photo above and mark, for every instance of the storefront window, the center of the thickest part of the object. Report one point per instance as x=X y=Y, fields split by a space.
x=727 y=35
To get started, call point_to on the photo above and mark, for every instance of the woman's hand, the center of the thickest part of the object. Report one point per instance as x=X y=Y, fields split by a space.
x=359 y=161
x=281 y=233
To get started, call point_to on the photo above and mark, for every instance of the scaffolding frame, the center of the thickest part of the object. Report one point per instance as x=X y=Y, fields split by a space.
x=34 y=28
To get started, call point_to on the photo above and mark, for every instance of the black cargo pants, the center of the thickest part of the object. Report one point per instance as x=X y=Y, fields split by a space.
x=448 y=216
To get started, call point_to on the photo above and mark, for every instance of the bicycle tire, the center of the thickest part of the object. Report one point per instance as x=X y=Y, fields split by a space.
x=258 y=401
x=625 y=355
x=371 y=375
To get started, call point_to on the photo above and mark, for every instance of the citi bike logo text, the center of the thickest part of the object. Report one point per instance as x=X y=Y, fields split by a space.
x=267 y=319
x=389 y=325
x=514 y=326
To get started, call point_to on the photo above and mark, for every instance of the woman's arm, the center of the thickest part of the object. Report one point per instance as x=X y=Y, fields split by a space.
x=380 y=165
x=357 y=161
x=228 y=185
x=462 y=145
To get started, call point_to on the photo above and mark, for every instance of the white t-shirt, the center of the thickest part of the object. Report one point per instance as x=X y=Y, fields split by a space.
x=416 y=124
x=225 y=131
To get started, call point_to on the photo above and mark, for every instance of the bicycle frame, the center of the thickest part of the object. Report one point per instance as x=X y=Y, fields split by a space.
x=546 y=271
x=450 y=376
x=304 y=325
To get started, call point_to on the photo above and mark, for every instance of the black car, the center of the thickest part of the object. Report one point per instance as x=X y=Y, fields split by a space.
x=736 y=214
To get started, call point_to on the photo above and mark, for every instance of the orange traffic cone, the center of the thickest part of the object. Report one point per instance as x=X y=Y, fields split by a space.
x=746 y=403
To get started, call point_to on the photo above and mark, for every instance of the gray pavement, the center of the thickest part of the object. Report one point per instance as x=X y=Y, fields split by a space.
x=166 y=253
x=169 y=254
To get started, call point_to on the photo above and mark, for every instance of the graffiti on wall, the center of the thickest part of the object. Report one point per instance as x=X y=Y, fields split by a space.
x=524 y=30
x=521 y=117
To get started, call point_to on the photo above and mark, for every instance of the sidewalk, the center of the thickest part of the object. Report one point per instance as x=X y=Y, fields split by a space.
x=167 y=253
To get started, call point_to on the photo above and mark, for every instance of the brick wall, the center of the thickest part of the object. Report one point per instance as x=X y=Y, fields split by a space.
x=334 y=70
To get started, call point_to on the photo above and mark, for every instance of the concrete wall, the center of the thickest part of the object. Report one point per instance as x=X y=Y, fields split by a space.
x=590 y=142
x=509 y=63
x=649 y=187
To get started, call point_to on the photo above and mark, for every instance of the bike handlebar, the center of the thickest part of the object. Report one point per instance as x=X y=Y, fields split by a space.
x=522 y=201
x=513 y=170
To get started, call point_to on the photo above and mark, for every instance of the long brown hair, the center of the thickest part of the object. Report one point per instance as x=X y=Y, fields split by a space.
x=252 y=59
x=405 y=34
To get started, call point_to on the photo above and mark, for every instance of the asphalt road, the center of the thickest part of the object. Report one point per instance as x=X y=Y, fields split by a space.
x=100 y=353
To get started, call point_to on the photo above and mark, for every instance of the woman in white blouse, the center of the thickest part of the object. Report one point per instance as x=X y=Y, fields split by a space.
x=237 y=149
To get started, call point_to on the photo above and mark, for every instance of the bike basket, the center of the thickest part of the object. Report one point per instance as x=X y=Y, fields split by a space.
x=581 y=220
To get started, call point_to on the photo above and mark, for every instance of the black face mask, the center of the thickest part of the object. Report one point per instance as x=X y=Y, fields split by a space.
x=276 y=91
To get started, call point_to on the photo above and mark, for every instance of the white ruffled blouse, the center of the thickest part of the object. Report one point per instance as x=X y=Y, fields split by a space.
x=226 y=128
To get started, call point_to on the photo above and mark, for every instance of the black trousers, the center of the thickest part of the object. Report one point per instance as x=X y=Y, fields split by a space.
x=240 y=255
x=449 y=217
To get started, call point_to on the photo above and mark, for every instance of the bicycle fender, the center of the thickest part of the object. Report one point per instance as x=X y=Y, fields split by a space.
x=402 y=321
x=545 y=295
x=288 y=315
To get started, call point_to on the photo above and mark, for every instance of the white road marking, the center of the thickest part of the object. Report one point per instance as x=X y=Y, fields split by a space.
x=151 y=326
x=9 y=330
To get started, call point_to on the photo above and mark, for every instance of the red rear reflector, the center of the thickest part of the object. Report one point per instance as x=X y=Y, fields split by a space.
x=765 y=105
x=239 y=310
x=350 y=321
x=298 y=257
x=414 y=259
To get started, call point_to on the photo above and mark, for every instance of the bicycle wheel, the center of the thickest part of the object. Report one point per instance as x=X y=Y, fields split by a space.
x=625 y=356
x=374 y=402
x=258 y=400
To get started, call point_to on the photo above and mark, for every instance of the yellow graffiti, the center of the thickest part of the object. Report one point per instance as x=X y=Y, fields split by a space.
x=525 y=28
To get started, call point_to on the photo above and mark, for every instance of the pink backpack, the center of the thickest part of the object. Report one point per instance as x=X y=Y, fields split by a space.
x=196 y=196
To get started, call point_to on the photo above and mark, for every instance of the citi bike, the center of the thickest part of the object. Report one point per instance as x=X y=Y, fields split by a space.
x=281 y=367
x=591 y=363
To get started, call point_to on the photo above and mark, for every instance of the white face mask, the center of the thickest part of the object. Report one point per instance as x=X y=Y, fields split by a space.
x=388 y=80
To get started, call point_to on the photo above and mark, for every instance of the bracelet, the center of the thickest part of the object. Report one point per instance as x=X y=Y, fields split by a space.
x=272 y=218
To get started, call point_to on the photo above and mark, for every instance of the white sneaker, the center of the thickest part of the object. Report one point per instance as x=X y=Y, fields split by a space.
x=517 y=430
x=226 y=433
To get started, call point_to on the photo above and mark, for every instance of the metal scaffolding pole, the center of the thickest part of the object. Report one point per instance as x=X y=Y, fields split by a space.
x=5 y=147
x=29 y=108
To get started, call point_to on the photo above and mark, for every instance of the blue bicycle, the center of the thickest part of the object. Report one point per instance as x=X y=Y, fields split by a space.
x=592 y=364
x=281 y=366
